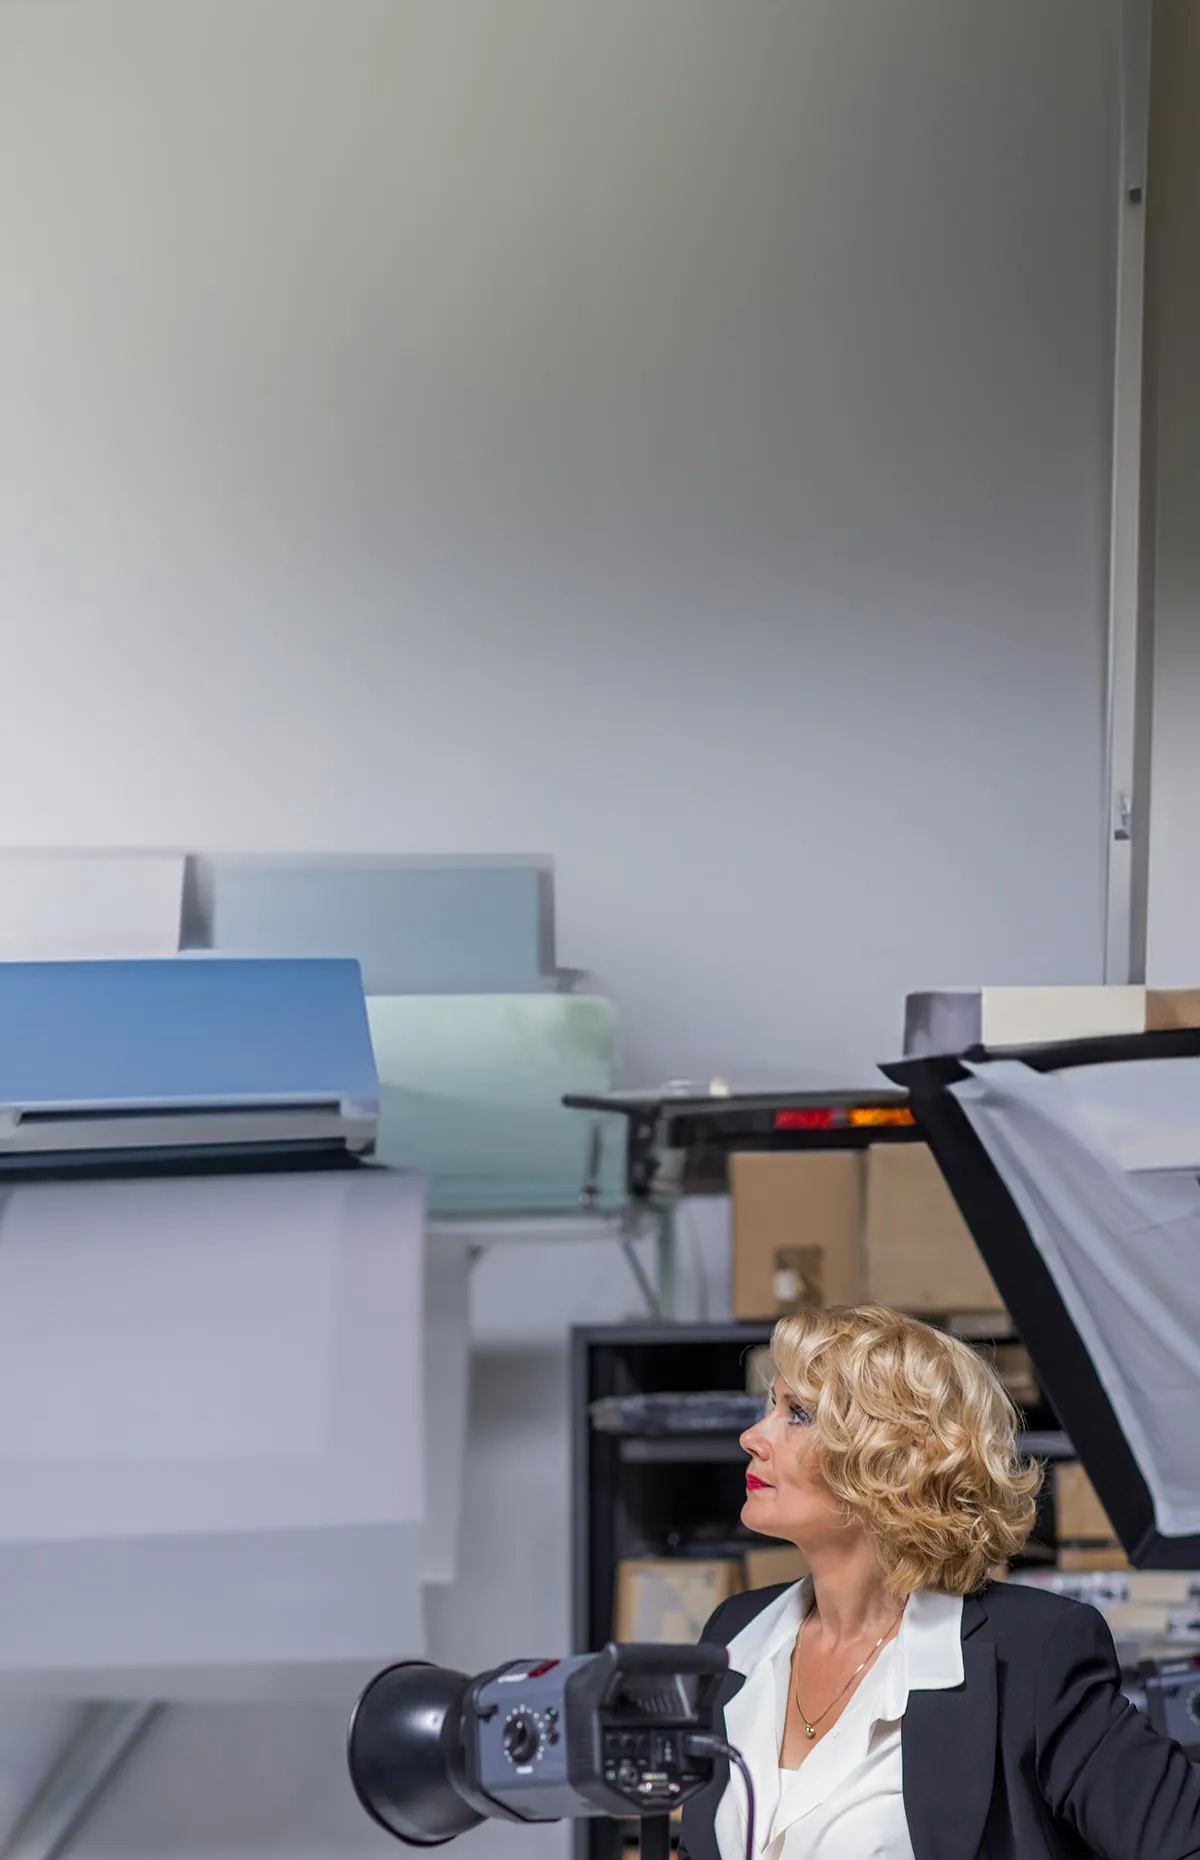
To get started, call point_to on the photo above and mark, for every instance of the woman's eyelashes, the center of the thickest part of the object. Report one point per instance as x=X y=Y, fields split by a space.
x=797 y=1415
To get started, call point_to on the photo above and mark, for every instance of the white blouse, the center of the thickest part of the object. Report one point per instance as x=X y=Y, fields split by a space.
x=846 y=1800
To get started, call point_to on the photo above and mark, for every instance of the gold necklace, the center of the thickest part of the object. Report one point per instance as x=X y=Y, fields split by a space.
x=810 y=1724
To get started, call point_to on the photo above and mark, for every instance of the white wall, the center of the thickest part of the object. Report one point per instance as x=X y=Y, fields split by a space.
x=668 y=436
x=1173 y=319
x=672 y=436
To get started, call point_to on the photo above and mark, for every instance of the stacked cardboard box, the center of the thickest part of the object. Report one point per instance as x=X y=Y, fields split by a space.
x=918 y=1253
x=667 y=1600
x=797 y=1231
x=829 y=1227
x=1139 y=1605
x=1086 y=1539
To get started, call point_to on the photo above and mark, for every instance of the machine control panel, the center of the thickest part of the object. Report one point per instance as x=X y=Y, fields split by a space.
x=649 y=1767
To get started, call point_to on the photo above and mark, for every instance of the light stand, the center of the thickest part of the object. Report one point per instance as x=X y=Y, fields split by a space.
x=655 y=1843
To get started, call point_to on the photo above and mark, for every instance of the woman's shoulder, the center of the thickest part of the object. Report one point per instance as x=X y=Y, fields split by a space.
x=1025 y=1608
x=1011 y=1608
x=1030 y=1598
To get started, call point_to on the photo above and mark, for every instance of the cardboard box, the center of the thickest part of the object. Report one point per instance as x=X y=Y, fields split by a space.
x=1138 y=1618
x=918 y=1253
x=797 y=1225
x=1170 y=1587
x=1079 y=1515
x=669 y=1599
x=782 y=1563
x=949 y=1020
x=1172 y=1007
x=1014 y=1366
x=1085 y=1558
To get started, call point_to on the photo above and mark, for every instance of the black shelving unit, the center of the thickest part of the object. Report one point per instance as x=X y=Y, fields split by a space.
x=645 y=1495
x=640 y=1496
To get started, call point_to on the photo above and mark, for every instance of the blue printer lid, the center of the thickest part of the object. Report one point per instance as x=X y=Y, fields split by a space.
x=194 y=1029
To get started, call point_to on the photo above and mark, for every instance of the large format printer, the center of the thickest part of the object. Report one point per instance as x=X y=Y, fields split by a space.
x=255 y=1114
x=258 y=1116
x=219 y=1332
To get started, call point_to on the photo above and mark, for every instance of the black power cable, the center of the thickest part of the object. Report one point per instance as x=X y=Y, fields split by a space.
x=705 y=1744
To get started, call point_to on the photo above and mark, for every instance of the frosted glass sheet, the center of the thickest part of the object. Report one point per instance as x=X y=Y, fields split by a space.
x=471 y=1091
x=416 y=927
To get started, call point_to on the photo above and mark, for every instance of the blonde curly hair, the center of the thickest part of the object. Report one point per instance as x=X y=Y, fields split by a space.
x=918 y=1441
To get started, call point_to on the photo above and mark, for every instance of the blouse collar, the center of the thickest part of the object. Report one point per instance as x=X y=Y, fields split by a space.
x=929 y=1654
x=929 y=1641
x=925 y=1655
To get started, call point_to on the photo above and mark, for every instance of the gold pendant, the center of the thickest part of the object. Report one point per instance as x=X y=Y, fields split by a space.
x=810 y=1730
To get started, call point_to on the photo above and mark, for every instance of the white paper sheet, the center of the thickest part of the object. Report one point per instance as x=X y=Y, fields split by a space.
x=80 y=906
x=212 y=1353
x=147 y=1321
x=232 y=1417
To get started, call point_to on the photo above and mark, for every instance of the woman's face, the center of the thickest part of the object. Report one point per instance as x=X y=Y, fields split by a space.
x=786 y=1493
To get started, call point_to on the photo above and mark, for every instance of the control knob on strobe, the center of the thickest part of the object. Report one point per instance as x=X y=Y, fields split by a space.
x=521 y=1738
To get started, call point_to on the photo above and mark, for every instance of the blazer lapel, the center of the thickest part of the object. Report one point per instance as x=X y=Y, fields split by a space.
x=948 y=1741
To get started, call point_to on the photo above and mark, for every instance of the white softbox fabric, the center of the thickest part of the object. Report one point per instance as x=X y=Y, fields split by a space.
x=1101 y=1162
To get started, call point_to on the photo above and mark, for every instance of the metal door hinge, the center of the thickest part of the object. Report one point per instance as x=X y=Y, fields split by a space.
x=1123 y=817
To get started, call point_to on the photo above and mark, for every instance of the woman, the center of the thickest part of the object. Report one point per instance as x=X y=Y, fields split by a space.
x=895 y=1706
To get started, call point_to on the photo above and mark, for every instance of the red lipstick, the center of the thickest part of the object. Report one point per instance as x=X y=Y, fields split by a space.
x=755 y=1484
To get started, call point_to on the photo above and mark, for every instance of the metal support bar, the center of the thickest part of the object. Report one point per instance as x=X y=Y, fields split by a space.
x=644 y=1283
x=625 y=1226
x=1126 y=747
x=484 y=1230
x=77 y=1779
x=666 y=1254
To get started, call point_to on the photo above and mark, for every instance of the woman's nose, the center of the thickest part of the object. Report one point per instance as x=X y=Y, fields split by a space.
x=753 y=1442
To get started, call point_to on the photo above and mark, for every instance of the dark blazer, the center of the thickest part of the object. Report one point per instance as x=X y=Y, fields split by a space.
x=1036 y=1756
